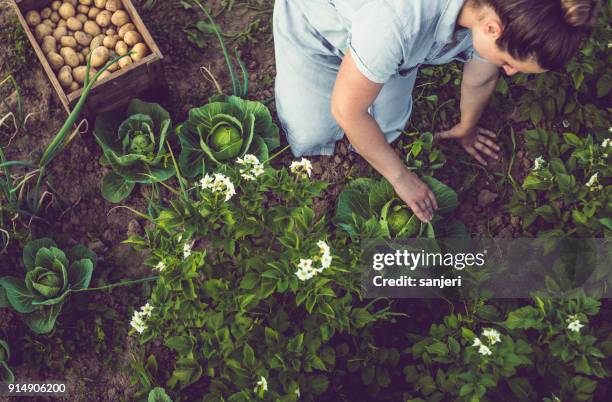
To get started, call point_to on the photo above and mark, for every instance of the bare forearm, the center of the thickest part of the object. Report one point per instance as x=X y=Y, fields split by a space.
x=474 y=100
x=364 y=134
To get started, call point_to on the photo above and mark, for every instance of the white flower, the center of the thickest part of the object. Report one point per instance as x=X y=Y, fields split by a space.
x=323 y=247
x=160 y=266
x=326 y=260
x=139 y=317
x=484 y=350
x=477 y=342
x=261 y=384
x=187 y=250
x=574 y=323
x=593 y=181
x=305 y=264
x=606 y=143
x=249 y=159
x=138 y=322
x=253 y=168
x=206 y=182
x=302 y=168
x=304 y=275
x=257 y=170
x=492 y=335
x=219 y=184
x=147 y=309
x=305 y=270
x=538 y=163
x=297 y=392
x=305 y=267
x=565 y=123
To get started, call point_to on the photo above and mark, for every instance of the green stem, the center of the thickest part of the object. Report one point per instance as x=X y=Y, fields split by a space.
x=276 y=154
x=230 y=66
x=118 y=284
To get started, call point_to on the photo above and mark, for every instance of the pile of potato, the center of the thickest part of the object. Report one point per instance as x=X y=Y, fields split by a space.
x=69 y=30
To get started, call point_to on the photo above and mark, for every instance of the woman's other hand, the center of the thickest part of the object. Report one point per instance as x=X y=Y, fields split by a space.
x=477 y=141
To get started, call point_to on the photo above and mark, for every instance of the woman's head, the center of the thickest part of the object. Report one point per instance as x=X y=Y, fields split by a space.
x=531 y=35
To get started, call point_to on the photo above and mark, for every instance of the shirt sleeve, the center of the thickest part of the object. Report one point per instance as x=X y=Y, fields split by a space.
x=375 y=41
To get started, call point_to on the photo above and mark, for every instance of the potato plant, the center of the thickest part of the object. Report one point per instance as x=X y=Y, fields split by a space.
x=248 y=299
x=568 y=189
x=546 y=349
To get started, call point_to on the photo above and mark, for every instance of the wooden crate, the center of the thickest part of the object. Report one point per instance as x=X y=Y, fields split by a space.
x=113 y=91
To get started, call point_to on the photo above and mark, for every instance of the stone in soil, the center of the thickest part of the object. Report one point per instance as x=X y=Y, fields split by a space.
x=486 y=198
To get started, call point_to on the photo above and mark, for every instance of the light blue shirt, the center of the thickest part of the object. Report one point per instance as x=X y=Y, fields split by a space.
x=390 y=37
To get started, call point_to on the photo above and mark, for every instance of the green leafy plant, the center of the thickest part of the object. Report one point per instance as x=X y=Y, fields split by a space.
x=220 y=132
x=158 y=395
x=370 y=208
x=454 y=363
x=6 y=374
x=252 y=288
x=568 y=191
x=51 y=274
x=539 y=352
x=423 y=156
x=135 y=148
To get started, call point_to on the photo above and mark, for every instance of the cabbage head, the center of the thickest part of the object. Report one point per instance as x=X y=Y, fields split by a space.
x=221 y=131
x=134 y=145
x=369 y=208
x=50 y=275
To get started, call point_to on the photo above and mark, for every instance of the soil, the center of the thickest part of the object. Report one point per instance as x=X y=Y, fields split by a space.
x=75 y=211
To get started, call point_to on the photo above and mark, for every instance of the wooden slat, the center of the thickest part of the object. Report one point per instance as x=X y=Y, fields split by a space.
x=27 y=5
x=137 y=21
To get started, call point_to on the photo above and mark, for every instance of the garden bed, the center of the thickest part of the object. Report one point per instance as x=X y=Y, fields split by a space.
x=90 y=347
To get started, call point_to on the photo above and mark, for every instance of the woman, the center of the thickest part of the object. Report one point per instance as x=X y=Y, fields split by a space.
x=349 y=67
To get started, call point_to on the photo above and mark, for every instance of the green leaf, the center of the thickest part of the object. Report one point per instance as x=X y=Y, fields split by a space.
x=326 y=309
x=380 y=193
x=249 y=280
x=6 y=374
x=438 y=348
x=80 y=252
x=30 y=250
x=248 y=355
x=182 y=344
x=18 y=295
x=523 y=318
x=445 y=196
x=521 y=388
x=115 y=188
x=354 y=200
x=466 y=389
x=79 y=274
x=158 y=395
x=42 y=321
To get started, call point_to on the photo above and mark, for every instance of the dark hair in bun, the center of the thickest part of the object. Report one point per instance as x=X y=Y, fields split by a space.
x=580 y=13
x=550 y=31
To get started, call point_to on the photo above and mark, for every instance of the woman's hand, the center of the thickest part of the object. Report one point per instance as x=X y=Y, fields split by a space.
x=474 y=140
x=416 y=195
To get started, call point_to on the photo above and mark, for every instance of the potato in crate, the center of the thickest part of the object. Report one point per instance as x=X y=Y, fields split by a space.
x=65 y=32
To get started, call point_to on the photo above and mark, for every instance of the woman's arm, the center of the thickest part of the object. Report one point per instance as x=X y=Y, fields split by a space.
x=478 y=84
x=352 y=96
